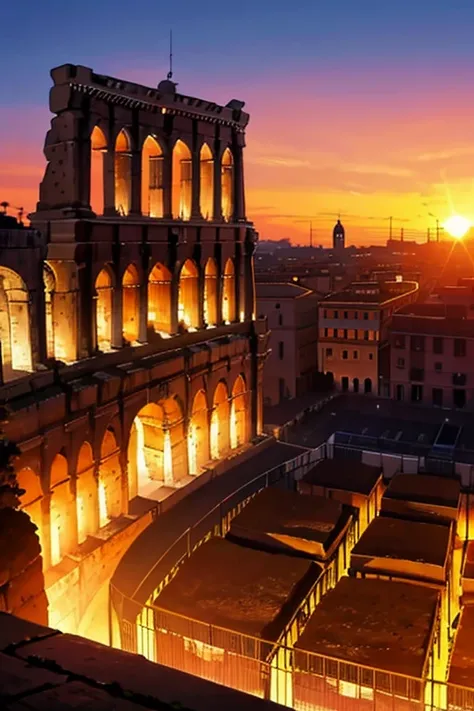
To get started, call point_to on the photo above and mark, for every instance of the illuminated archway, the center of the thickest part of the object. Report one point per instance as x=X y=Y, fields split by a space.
x=14 y=325
x=228 y=292
x=110 y=480
x=130 y=304
x=98 y=148
x=219 y=438
x=159 y=299
x=210 y=292
x=30 y=501
x=103 y=310
x=227 y=184
x=182 y=181
x=188 y=295
x=123 y=174
x=152 y=178
x=49 y=281
x=156 y=449
x=86 y=494
x=238 y=417
x=206 y=168
x=198 y=434
x=62 y=531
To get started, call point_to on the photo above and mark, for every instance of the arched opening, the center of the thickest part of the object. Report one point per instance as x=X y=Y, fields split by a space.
x=123 y=174
x=159 y=299
x=198 y=434
x=228 y=292
x=103 y=310
x=62 y=529
x=152 y=178
x=98 y=148
x=14 y=325
x=49 y=289
x=188 y=295
x=400 y=392
x=227 y=184
x=86 y=494
x=30 y=501
x=130 y=304
x=110 y=480
x=238 y=418
x=206 y=167
x=210 y=292
x=182 y=181
x=220 y=422
x=355 y=385
x=367 y=385
x=345 y=383
x=156 y=449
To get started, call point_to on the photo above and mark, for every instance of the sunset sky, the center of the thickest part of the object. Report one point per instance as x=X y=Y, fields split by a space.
x=358 y=106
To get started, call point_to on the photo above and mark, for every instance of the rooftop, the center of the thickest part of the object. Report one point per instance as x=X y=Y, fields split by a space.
x=370 y=292
x=435 y=320
x=237 y=588
x=377 y=623
x=344 y=474
x=425 y=488
x=278 y=519
x=280 y=290
x=462 y=658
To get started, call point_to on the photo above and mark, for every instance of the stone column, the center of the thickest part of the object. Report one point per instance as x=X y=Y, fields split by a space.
x=136 y=177
x=109 y=182
x=217 y=181
x=168 y=184
x=64 y=311
x=196 y=186
x=239 y=187
x=87 y=328
x=117 y=319
x=174 y=302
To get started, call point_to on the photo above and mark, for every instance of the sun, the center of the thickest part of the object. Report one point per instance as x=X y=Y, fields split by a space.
x=457 y=226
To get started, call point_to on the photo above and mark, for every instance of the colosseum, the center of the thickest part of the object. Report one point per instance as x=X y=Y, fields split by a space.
x=131 y=360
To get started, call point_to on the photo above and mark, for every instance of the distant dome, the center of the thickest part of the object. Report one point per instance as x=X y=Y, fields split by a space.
x=167 y=86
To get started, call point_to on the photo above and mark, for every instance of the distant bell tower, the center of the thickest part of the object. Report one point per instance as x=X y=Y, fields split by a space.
x=338 y=236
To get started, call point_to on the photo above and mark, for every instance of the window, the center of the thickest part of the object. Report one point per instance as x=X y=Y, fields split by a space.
x=459 y=379
x=336 y=314
x=280 y=319
x=344 y=355
x=459 y=347
x=371 y=356
x=356 y=315
x=399 y=341
x=416 y=393
x=335 y=333
x=366 y=335
x=345 y=333
x=281 y=350
x=437 y=345
x=325 y=313
x=346 y=314
x=355 y=355
x=417 y=374
x=326 y=333
x=459 y=398
x=328 y=352
x=438 y=367
x=417 y=344
x=366 y=316
x=345 y=383
x=400 y=362
x=437 y=397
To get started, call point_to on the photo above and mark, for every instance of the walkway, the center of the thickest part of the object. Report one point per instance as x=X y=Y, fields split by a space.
x=148 y=548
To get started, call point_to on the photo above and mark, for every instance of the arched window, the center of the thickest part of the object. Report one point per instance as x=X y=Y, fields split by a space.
x=130 y=304
x=103 y=310
x=198 y=434
x=182 y=181
x=355 y=385
x=238 y=416
x=152 y=178
x=156 y=449
x=49 y=281
x=14 y=325
x=210 y=292
x=98 y=148
x=188 y=295
x=123 y=174
x=228 y=292
x=219 y=438
x=110 y=480
x=227 y=184
x=207 y=182
x=86 y=494
x=63 y=538
x=30 y=501
x=159 y=299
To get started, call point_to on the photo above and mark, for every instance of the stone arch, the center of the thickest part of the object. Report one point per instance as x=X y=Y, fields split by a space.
x=15 y=332
x=103 y=309
x=30 y=501
x=188 y=295
x=228 y=292
x=219 y=434
x=156 y=448
x=210 y=292
x=123 y=173
x=238 y=413
x=159 y=299
x=98 y=149
x=60 y=280
x=227 y=184
x=206 y=171
x=198 y=434
x=152 y=177
x=86 y=494
x=182 y=185
x=62 y=518
x=131 y=304
x=110 y=479
x=49 y=281
x=367 y=385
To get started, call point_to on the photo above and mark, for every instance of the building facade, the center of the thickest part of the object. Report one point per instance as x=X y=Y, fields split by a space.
x=291 y=312
x=353 y=333
x=131 y=359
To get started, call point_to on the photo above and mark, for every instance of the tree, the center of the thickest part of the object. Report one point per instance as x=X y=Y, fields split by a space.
x=10 y=492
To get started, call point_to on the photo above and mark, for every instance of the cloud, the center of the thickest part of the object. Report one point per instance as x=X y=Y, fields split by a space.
x=446 y=155
x=274 y=161
x=368 y=169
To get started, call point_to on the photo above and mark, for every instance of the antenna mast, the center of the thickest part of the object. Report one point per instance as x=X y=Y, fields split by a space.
x=170 y=73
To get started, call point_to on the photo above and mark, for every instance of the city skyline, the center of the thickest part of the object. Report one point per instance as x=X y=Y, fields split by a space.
x=365 y=113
